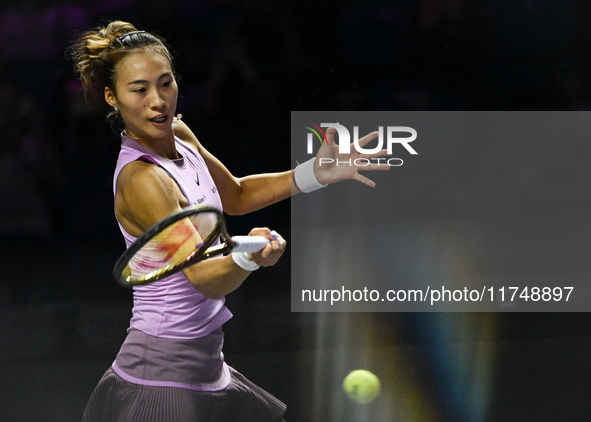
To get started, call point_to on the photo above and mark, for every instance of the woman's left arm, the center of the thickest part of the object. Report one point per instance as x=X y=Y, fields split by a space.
x=246 y=194
x=240 y=195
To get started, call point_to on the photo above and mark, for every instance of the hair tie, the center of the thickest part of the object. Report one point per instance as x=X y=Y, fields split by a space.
x=127 y=34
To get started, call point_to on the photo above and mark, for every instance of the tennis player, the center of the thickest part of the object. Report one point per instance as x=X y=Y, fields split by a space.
x=171 y=366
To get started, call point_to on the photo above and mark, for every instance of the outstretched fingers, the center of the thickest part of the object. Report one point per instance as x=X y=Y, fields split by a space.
x=364 y=180
x=377 y=155
x=380 y=153
x=367 y=138
x=374 y=166
x=330 y=135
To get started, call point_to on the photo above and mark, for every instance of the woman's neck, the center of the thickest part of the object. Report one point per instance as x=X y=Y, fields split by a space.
x=165 y=147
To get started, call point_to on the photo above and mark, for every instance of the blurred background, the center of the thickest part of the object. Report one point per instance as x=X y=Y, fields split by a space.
x=243 y=66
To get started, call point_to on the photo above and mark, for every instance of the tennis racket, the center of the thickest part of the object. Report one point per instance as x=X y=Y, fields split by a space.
x=179 y=240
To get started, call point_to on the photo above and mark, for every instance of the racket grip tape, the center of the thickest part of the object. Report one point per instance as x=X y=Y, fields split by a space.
x=249 y=243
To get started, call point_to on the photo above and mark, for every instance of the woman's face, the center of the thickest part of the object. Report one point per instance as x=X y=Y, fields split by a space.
x=146 y=94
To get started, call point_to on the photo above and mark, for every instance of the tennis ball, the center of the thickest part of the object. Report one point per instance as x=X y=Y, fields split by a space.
x=362 y=386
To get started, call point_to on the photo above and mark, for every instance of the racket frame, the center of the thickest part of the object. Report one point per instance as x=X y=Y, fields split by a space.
x=205 y=251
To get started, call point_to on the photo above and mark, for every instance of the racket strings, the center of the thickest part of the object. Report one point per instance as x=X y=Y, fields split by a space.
x=174 y=247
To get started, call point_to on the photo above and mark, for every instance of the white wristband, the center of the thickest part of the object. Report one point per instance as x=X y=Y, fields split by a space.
x=241 y=259
x=304 y=177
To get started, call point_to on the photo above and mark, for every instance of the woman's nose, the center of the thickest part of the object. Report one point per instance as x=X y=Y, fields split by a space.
x=155 y=100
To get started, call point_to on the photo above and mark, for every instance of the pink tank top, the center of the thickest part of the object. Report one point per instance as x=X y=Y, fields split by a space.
x=171 y=307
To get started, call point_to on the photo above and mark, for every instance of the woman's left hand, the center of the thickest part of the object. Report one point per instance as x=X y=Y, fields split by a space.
x=331 y=166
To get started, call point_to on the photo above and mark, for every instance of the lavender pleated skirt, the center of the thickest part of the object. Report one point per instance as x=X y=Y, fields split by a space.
x=124 y=393
x=117 y=400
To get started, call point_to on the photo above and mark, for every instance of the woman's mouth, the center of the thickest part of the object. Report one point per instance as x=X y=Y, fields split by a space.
x=159 y=119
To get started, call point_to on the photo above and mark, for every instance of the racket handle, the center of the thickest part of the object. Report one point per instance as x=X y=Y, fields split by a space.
x=249 y=243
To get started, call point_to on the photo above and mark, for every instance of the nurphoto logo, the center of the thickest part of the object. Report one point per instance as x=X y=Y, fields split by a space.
x=345 y=143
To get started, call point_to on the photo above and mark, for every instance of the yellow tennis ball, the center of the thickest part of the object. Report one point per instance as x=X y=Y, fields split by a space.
x=362 y=386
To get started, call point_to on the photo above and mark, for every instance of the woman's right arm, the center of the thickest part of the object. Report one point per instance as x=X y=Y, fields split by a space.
x=146 y=194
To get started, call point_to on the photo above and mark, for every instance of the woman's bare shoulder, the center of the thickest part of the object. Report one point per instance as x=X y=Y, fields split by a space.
x=185 y=134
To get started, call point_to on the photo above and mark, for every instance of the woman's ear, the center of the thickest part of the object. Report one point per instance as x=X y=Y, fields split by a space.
x=110 y=97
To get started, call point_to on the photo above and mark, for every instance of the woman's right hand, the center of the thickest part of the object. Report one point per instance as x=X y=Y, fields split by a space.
x=272 y=252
